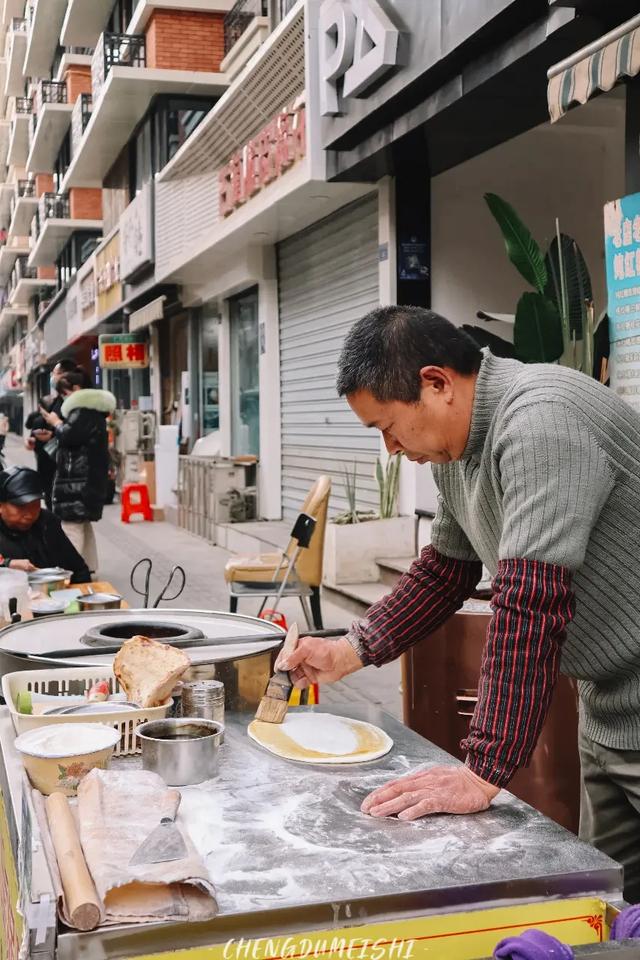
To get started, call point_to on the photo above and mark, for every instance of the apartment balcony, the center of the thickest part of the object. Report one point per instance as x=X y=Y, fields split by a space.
x=45 y=21
x=19 y=137
x=79 y=119
x=13 y=248
x=84 y=22
x=25 y=282
x=16 y=45
x=7 y=190
x=246 y=27
x=24 y=204
x=49 y=125
x=10 y=9
x=5 y=137
x=123 y=87
x=52 y=226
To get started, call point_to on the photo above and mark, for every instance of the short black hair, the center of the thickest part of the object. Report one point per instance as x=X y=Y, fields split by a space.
x=66 y=365
x=77 y=378
x=385 y=351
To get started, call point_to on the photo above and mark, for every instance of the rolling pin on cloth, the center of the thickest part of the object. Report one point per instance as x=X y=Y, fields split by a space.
x=79 y=904
x=116 y=808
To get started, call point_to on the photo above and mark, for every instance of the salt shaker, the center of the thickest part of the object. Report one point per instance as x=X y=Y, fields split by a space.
x=204 y=699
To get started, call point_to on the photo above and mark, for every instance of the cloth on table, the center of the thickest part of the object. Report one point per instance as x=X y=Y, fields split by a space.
x=117 y=810
x=532 y=945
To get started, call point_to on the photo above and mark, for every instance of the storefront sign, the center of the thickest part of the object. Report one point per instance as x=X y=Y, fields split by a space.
x=263 y=159
x=358 y=45
x=136 y=234
x=123 y=351
x=107 y=273
x=622 y=255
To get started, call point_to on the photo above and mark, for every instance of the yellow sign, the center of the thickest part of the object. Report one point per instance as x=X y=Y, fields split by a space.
x=107 y=276
x=11 y=921
x=123 y=351
x=456 y=936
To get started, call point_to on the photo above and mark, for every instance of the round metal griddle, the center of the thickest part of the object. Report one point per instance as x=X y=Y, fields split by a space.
x=30 y=643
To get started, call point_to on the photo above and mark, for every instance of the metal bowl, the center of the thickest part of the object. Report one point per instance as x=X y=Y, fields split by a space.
x=100 y=601
x=47 y=608
x=50 y=578
x=182 y=751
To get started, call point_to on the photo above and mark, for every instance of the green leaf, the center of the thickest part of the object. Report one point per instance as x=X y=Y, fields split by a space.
x=538 y=333
x=522 y=249
x=498 y=346
x=577 y=281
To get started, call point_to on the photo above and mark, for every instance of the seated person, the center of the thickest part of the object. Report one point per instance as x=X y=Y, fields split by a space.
x=31 y=537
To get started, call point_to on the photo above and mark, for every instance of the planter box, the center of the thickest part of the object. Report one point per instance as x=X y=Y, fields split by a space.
x=351 y=551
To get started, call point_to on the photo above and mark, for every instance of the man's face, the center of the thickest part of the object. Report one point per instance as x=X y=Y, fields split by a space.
x=56 y=374
x=20 y=516
x=434 y=429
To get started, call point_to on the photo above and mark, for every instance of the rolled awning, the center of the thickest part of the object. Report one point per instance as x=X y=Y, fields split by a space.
x=597 y=67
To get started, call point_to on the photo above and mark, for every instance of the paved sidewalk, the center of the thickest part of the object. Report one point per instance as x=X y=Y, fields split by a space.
x=121 y=545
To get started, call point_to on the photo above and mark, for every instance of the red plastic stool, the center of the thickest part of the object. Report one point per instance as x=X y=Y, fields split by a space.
x=135 y=499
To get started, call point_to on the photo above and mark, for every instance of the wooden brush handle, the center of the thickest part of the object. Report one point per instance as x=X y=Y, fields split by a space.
x=83 y=905
x=290 y=641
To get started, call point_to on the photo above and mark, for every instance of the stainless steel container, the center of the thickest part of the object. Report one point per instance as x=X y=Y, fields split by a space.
x=203 y=698
x=100 y=601
x=181 y=751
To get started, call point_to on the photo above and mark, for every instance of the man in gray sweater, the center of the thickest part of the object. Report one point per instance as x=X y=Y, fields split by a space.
x=538 y=472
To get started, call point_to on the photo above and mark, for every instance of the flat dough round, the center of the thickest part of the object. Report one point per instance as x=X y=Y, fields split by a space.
x=321 y=738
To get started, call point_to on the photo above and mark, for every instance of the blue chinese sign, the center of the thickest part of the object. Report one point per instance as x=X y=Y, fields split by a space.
x=622 y=255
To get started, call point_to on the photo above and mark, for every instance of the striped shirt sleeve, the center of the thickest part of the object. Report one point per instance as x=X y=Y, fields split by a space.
x=533 y=604
x=432 y=590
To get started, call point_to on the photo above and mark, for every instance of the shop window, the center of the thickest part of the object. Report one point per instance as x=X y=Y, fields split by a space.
x=245 y=381
x=77 y=249
x=209 y=328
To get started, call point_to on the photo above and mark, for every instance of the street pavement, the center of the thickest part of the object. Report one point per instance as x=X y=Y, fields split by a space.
x=120 y=545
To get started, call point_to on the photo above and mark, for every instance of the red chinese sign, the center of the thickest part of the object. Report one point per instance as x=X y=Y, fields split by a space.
x=123 y=351
x=265 y=158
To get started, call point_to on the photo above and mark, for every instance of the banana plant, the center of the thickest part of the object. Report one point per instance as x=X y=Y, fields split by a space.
x=555 y=321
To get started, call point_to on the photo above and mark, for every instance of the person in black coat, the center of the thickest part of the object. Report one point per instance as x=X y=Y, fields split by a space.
x=82 y=460
x=40 y=435
x=31 y=537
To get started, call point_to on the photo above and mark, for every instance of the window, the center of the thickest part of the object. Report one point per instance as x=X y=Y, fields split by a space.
x=169 y=122
x=62 y=162
x=77 y=249
x=121 y=16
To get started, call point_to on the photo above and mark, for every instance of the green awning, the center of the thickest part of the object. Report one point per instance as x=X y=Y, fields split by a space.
x=597 y=67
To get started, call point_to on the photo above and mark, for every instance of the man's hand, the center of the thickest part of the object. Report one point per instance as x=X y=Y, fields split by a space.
x=320 y=661
x=24 y=565
x=30 y=443
x=437 y=790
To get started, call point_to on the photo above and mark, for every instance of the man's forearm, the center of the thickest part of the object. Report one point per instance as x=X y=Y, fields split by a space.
x=533 y=604
x=424 y=598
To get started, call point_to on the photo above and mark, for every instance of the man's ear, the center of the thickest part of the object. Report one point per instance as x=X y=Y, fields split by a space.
x=438 y=380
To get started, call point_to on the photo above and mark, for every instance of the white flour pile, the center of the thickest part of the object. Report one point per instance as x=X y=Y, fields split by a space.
x=67 y=739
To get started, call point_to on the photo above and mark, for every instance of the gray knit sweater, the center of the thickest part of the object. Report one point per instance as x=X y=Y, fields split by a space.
x=551 y=472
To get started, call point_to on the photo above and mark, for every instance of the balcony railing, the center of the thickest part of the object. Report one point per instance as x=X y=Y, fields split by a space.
x=24 y=105
x=239 y=18
x=116 y=50
x=79 y=119
x=50 y=91
x=26 y=188
x=21 y=271
x=54 y=206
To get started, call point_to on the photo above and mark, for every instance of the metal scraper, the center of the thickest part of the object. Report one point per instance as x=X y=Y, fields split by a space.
x=164 y=843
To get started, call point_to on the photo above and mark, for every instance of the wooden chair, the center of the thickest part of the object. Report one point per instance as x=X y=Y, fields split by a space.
x=297 y=571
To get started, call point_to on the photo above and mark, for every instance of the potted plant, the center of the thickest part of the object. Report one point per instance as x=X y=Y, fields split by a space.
x=355 y=539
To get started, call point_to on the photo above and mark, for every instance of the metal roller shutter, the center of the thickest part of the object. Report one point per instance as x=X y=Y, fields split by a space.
x=328 y=278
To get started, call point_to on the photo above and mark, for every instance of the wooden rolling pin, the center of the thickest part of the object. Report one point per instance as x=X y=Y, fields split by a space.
x=82 y=902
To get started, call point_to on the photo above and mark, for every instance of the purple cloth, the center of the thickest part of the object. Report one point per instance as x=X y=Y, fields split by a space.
x=626 y=925
x=532 y=945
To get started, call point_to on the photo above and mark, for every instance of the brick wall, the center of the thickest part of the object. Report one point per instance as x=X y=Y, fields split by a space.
x=78 y=80
x=85 y=203
x=185 y=40
x=46 y=273
x=44 y=183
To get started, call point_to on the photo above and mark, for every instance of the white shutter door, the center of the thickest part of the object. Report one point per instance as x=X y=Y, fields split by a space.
x=328 y=279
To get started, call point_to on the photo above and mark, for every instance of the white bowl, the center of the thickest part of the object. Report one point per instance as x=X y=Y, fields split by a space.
x=57 y=757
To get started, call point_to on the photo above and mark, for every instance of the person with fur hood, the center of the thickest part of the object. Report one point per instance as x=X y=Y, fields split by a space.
x=82 y=460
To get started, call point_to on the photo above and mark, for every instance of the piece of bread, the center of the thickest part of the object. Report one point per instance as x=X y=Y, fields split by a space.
x=148 y=671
